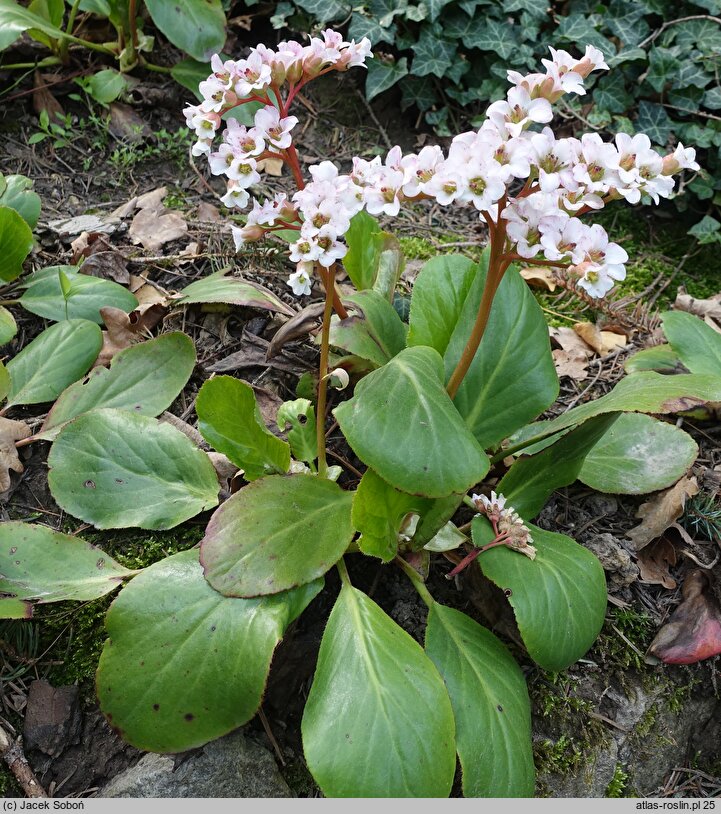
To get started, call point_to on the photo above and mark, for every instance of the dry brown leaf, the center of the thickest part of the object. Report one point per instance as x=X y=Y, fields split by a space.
x=107 y=265
x=208 y=213
x=709 y=309
x=574 y=365
x=603 y=342
x=661 y=512
x=187 y=430
x=149 y=294
x=71 y=227
x=124 y=210
x=298 y=326
x=539 y=278
x=272 y=166
x=655 y=561
x=567 y=339
x=152 y=199
x=10 y=432
x=120 y=333
x=153 y=228
x=693 y=632
x=44 y=101
x=126 y=124
x=268 y=404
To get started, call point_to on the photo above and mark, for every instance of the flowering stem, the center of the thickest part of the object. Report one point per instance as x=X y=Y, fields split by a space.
x=294 y=165
x=329 y=283
x=502 y=539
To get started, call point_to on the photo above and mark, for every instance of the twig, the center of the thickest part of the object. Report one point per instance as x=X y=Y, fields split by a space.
x=271 y=737
x=373 y=116
x=12 y=753
x=660 y=31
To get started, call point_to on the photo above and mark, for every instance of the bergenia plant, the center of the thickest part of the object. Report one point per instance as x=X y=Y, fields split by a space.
x=438 y=418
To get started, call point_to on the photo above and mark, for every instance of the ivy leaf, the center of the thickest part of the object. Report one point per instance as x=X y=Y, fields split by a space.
x=662 y=64
x=496 y=37
x=384 y=10
x=712 y=98
x=626 y=21
x=433 y=55
x=361 y=25
x=418 y=92
x=610 y=94
x=692 y=73
x=653 y=120
x=532 y=7
x=435 y=7
x=706 y=230
x=383 y=75
x=324 y=11
x=702 y=34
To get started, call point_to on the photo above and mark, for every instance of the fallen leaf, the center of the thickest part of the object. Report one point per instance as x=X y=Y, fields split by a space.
x=187 y=430
x=152 y=199
x=567 y=339
x=297 y=326
x=661 y=512
x=44 y=101
x=126 y=124
x=272 y=166
x=539 y=278
x=693 y=632
x=655 y=561
x=574 y=365
x=119 y=333
x=124 y=210
x=208 y=213
x=268 y=404
x=10 y=432
x=149 y=294
x=226 y=472
x=253 y=353
x=603 y=342
x=709 y=309
x=71 y=227
x=107 y=265
x=153 y=228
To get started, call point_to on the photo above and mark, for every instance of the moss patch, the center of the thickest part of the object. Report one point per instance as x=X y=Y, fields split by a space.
x=618 y=784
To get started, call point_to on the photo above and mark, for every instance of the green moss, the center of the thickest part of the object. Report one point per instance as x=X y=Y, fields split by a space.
x=9 y=786
x=619 y=781
x=559 y=757
x=417 y=248
x=612 y=646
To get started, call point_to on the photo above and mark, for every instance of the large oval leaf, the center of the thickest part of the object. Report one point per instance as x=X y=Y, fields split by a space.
x=512 y=377
x=144 y=379
x=115 y=469
x=52 y=361
x=14 y=19
x=276 y=533
x=8 y=326
x=18 y=195
x=16 y=241
x=637 y=455
x=195 y=26
x=696 y=343
x=559 y=598
x=490 y=705
x=86 y=295
x=46 y=566
x=233 y=291
x=402 y=423
x=184 y=664
x=230 y=421
x=378 y=721
x=364 y=239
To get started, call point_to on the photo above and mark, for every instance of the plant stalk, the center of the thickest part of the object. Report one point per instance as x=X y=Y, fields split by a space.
x=65 y=42
x=418 y=584
x=329 y=283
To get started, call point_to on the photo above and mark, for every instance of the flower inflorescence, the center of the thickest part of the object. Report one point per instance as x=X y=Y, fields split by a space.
x=529 y=186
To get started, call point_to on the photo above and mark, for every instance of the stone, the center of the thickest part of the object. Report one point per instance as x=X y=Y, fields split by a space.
x=616 y=561
x=232 y=766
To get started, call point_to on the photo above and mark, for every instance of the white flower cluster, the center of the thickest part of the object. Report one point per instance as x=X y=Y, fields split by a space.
x=530 y=187
x=507 y=523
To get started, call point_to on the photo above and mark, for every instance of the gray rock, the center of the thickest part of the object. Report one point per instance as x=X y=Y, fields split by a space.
x=616 y=561
x=52 y=718
x=233 y=766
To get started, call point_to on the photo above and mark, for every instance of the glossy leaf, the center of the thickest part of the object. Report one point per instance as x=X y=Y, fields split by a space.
x=86 y=296
x=275 y=534
x=299 y=415
x=116 y=469
x=190 y=73
x=183 y=664
x=378 y=721
x=230 y=421
x=105 y=86
x=144 y=379
x=14 y=20
x=8 y=326
x=512 y=377
x=37 y=563
x=15 y=608
x=378 y=512
x=434 y=519
x=376 y=334
x=696 y=343
x=559 y=598
x=391 y=263
x=234 y=291
x=5 y=383
x=645 y=392
x=18 y=195
x=532 y=479
x=490 y=703
x=404 y=406
x=195 y=26
x=56 y=358
x=661 y=358
x=16 y=241
x=638 y=455
x=364 y=239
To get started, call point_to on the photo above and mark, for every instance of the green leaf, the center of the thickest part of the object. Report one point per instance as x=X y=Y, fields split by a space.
x=302 y=435
x=8 y=326
x=50 y=10
x=712 y=98
x=18 y=195
x=559 y=598
x=275 y=534
x=376 y=333
x=230 y=421
x=378 y=512
x=364 y=239
x=638 y=455
x=195 y=26
x=660 y=358
x=627 y=23
x=44 y=295
x=14 y=20
x=383 y=75
x=15 y=609
x=105 y=86
x=499 y=38
x=183 y=664
x=43 y=565
x=418 y=91
x=378 y=721
x=610 y=94
x=16 y=242
x=581 y=28
x=434 y=520
x=696 y=343
x=532 y=479
x=190 y=73
x=5 y=383
x=403 y=406
x=653 y=120
x=490 y=704
x=56 y=358
x=234 y=291
x=707 y=230
x=390 y=267
x=645 y=392
x=116 y=469
x=362 y=25
x=325 y=10
x=433 y=55
x=702 y=34
x=692 y=73
x=662 y=65
x=144 y=379
x=512 y=377
x=435 y=7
